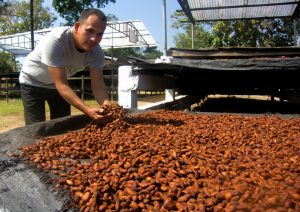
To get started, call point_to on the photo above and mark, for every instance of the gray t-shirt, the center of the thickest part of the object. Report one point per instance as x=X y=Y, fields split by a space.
x=57 y=49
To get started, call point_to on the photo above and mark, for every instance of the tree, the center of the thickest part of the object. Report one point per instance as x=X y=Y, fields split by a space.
x=278 y=33
x=202 y=36
x=17 y=18
x=238 y=33
x=6 y=62
x=148 y=53
x=253 y=33
x=123 y=53
x=152 y=53
x=3 y=5
x=71 y=9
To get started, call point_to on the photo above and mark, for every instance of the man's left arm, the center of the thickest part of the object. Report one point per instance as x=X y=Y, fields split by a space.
x=98 y=86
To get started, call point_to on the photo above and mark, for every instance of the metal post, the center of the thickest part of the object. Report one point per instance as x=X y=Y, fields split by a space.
x=112 y=66
x=295 y=31
x=112 y=74
x=193 y=32
x=31 y=24
x=15 y=63
x=6 y=88
x=165 y=27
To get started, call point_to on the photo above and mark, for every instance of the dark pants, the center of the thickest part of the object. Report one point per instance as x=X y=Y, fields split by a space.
x=34 y=99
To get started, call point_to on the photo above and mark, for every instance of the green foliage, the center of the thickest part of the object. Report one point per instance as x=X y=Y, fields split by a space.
x=124 y=53
x=202 y=36
x=17 y=17
x=3 y=5
x=178 y=19
x=152 y=53
x=6 y=62
x=71 y=9
x=239 y=33
x=111 y=17
x=253 y=33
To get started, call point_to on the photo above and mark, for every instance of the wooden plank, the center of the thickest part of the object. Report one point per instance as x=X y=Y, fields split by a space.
x=230 y=52
x=261 y=64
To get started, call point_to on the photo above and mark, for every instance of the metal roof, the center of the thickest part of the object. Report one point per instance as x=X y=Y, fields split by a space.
x=218 y=10
x=122 y=34
x=127 y=34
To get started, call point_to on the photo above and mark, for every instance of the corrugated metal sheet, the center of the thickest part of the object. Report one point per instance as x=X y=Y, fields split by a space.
x=127 y=34
x=213 y=10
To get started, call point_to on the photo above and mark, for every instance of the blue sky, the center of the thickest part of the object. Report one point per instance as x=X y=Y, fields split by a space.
x=150 y=12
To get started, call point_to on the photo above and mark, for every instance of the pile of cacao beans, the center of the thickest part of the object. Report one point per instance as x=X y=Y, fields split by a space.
x=176 y=161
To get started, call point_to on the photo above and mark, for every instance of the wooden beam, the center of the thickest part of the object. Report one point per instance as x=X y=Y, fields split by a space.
x=235 y=52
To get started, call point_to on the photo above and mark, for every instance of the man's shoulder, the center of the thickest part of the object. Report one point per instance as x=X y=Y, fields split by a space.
x=98 y=51
x=57 y=36
x=98 y=48
x=60 y=31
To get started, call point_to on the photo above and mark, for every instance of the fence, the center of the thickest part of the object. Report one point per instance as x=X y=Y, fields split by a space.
x=10 y=87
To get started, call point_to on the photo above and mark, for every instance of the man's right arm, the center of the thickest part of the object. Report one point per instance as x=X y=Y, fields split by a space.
x=59 y=77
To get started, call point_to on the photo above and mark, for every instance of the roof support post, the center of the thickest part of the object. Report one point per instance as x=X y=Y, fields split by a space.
x=295 y=31
x=127 y=87
x=165 y=27
x=31 y=24
x=193 y=35
x=169 y=95
x=112 y=86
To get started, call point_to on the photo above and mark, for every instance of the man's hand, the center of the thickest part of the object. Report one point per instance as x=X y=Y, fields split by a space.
x=107 y=102
x=99 y=115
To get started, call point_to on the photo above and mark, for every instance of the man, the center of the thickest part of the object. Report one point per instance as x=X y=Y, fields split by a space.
x=62 y=53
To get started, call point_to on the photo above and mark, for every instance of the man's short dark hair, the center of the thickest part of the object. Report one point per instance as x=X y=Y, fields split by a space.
x=92 y=11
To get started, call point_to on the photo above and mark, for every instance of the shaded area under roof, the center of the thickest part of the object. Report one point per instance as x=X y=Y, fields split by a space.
x=218 y=10
x=122 y=34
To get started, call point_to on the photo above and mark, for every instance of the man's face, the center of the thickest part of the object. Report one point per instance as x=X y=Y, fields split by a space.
x=89 y=33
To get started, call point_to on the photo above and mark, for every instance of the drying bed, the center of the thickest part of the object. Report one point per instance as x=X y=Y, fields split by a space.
x=175 y=161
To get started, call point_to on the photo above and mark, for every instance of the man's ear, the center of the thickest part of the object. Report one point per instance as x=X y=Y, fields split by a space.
x=76 y=26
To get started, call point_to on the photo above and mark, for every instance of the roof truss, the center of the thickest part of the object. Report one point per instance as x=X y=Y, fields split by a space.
x=121 y=34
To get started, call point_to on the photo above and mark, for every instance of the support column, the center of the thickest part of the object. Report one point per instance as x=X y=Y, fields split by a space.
x=295 y=31
x=165 y=27
x=127 y=87
x=170 y=95
x=32 y=24
x=193 y=35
